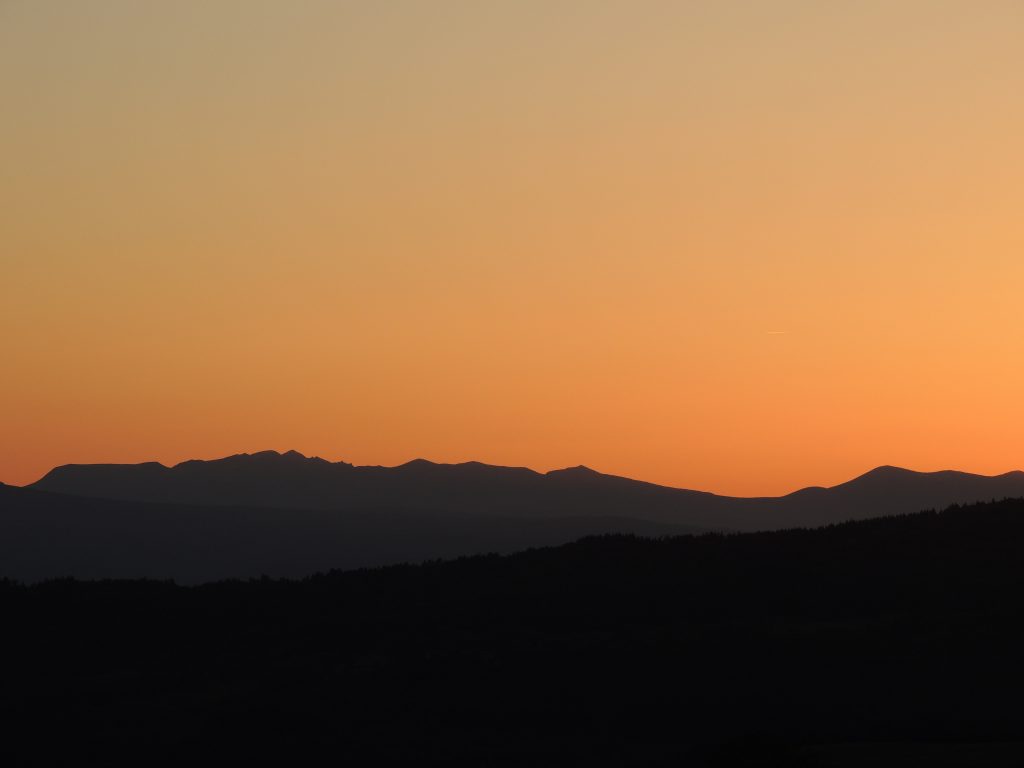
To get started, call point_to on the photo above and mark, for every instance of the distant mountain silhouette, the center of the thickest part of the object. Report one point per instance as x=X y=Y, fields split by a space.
x=288 y=515
x=292 y=481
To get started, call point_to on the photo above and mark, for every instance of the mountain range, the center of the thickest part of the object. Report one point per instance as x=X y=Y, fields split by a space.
x=293 y=481
x=291 y=515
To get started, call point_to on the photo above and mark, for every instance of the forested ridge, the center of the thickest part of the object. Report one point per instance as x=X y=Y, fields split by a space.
x=692 y=650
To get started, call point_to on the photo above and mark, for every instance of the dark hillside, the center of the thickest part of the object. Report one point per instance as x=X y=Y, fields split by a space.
x=886 y=639
x=49 y=535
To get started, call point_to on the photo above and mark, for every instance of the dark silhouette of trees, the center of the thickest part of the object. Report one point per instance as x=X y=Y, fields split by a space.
x=750 y=649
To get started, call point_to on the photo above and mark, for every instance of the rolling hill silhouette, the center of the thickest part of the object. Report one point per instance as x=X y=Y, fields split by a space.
x=287 y=515
x=293 y=481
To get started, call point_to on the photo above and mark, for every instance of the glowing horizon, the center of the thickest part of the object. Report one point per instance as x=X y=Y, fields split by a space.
x=743 y=247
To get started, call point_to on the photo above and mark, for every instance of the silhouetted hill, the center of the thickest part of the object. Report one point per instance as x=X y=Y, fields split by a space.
x=47 y=535
x=888 y=642
x=886 y=491
x=292 y=481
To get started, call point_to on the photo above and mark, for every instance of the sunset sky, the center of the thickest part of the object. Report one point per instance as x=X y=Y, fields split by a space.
x=735 y=246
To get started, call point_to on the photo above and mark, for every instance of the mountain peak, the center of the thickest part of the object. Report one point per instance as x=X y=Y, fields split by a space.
x=887 y=470
x=417 y=464
x=579 y=470
x=268 y=455
x=237 y=457
x=883 y=476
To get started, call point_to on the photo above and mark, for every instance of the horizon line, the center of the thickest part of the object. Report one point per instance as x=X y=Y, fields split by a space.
x=422 y=460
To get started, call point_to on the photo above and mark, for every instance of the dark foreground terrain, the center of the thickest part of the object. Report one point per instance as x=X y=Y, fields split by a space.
x=894 y=641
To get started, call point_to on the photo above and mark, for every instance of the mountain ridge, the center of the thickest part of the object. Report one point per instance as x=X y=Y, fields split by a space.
x=288 y=515
x=291 y=480
x=883 y=470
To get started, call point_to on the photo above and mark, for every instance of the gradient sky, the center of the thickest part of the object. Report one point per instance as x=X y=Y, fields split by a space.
x=735 y=246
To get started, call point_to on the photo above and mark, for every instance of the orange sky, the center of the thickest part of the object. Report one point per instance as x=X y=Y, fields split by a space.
x=735 y=246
